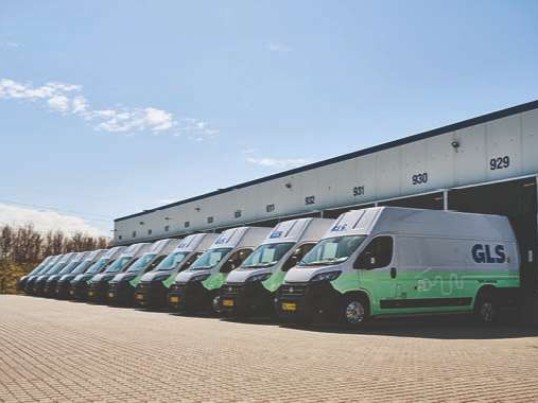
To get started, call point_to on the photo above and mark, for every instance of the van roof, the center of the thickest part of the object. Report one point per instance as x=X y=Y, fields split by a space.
x=424 y=222
x=194 y=241
x=297 y=230
x=234 y=237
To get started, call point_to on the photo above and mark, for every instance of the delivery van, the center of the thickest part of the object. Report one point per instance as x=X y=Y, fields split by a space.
x=36 y=270
x=30 y=280
x=49 y=290
x=79 y=285
x=39 y=284
x=197 y=288
x=154 y=285
x=62 y=286
x=385 y=261
x=251 y=288
x=121 y=287
x=98 y=285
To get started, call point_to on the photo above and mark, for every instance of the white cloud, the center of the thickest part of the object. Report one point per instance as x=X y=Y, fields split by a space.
x=278 y=163
x=279 y=47
x=66 y=98
x=59 y=103
x=10 y=44
x=44 y=220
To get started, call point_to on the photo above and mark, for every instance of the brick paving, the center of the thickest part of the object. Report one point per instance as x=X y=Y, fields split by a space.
x=61 y=351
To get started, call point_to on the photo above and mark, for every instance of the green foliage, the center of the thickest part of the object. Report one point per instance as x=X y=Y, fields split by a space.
x=23 y=248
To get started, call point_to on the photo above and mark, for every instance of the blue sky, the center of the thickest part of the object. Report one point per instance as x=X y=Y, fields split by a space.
x=111 y=107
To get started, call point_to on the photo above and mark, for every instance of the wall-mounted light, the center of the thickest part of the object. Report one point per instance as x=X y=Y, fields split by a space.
x=455 y=144
x=288 y=185
x=141 y=222
x=167 y=218
x=197 y=208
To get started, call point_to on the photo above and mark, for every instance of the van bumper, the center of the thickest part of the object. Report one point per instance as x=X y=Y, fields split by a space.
x=189 y=297
x=307 y=301
x=151 y=294
x=49 y=290
x=97 y=292
x=62 y=289
x=245 y=299
x=79 y=290
x=120 y=293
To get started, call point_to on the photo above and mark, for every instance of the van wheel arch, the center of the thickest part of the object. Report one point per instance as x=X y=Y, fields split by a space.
x=486 y=304
x=354 y=309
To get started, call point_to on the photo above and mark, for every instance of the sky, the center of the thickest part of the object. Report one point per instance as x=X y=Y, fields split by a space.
x=110 y=107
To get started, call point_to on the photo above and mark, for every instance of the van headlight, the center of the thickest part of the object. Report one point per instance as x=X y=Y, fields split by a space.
x=199 y=278
x=258 y=277
x=329 y=276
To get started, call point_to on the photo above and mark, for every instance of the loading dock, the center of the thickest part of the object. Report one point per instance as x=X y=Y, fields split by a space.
x=486 y=164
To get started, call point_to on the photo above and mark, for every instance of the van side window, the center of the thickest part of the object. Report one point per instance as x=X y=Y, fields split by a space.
x=155 y=263
x=377 y=254
x=235 y=260
x=190 y=261
x=297 y=256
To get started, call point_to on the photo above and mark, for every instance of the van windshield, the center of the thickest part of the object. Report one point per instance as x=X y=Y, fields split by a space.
x=142 y=263
x=81 y=267
x=97 y=266
x=56 y=268
x=119 y=264
x=67 y=269
x=332 y=250
x=267 y=255
x=210 y=258
x=171 y=261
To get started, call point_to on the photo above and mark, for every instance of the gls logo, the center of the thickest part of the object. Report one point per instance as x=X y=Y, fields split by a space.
x=220 y=240
x=338 y=228
x=275 y=234
x=488 y=253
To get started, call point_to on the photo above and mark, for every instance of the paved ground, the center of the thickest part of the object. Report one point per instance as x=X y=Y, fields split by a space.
x=65 y=351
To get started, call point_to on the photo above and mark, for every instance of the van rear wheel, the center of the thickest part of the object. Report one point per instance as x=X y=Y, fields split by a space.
x=486 y=307
x=353 y=311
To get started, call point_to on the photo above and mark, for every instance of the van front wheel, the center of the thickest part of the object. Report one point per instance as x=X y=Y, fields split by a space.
x=353 y=311
x=487 y=307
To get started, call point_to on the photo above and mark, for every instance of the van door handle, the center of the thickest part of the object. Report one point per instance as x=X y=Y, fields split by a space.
x=393 y=272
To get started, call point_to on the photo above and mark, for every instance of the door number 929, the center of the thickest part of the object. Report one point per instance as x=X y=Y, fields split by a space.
x=499 y=163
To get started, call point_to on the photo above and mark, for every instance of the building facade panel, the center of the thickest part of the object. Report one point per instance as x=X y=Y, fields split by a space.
x=479 y=151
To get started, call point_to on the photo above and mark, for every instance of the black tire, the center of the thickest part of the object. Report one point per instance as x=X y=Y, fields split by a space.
x=486 y=308
x=354 y=311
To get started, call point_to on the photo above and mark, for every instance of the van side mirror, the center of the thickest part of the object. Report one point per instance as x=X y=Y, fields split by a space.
x=292 y=261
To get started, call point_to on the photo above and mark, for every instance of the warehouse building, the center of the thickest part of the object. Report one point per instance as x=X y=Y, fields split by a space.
x=487 y=164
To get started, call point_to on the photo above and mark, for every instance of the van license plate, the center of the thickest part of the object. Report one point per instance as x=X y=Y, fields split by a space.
x=228 y=303
x=289 y=306
x=174 y=300
x=139 y=297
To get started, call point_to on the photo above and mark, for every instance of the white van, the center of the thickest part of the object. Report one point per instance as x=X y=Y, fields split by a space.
x=49 y=290
x=251 y=288
x=121 y=287
x=153 y=286
x=62 y=287
x=98 y=285
x=397 y=261
x=79 y=285
x=38 y=286
x=197 y=288
x=39 y=268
